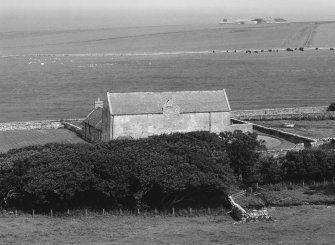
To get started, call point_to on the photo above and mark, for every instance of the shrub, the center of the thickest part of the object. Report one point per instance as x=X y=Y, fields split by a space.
x=331 y=107
x=242 y=149
x=157 y=172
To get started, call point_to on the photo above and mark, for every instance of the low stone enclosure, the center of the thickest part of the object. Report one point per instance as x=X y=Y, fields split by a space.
x=43 y=124
x=302 y=113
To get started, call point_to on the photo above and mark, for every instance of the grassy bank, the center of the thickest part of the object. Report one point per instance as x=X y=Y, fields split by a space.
x=286 y=194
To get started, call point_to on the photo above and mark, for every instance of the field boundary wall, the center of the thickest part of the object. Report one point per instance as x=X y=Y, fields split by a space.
x=294 y=138
x=74 y=128
x=35 y=125
x=299 y=113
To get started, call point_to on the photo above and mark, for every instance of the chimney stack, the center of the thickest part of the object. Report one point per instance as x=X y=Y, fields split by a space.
x=98 y=103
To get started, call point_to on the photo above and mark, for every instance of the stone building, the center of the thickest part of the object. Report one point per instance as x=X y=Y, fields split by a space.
x=92 y=130
x=142 y=114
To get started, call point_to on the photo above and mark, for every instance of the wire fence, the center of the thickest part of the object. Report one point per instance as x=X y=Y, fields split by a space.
x=189 y=212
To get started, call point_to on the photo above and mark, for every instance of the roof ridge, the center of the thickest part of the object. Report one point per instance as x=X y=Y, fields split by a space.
x=161 y=92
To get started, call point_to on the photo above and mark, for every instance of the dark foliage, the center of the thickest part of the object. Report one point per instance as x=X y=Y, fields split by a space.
x=195 y=169
x=309 y=165
x=331 y=107
x=243 y=152
x=177 y=170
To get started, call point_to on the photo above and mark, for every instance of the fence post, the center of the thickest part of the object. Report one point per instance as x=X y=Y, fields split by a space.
x=156 y=211
x=138 y=211
x=103 y=212
x=209 y=211
x=86 y=212
x=51 y=214
x=68 y=212
x=120 y=211
x=15 y=213
x=173 y=213
x=33 y=213
x=190 y=211
x=303 y=182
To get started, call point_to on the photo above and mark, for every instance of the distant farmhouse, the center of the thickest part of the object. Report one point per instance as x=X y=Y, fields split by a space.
x=142 y=114
x=245 y=22
x=266 y=20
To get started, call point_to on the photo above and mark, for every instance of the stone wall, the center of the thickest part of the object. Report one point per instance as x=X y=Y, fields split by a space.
x=45 y=124
x=138 y=126
x=32 y=125
x=294 y=138
x=284 y=113
x=78 y=130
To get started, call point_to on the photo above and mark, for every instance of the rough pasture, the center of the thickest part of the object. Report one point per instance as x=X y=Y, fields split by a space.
x=21 y=138
x=294 y=225
x=66 y=87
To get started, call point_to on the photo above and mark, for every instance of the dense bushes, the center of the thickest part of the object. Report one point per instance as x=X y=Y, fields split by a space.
x=307 y=165
x=161 y=171
x=195 y=169
x=331 y=107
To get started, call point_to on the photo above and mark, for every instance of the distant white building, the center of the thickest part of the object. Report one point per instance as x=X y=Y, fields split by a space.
x=245 y=22
x=225 y=21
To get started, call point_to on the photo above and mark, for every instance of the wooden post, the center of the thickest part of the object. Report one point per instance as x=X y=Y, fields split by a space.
x=51 y=214
x=120 y=211
x=68 y=212
x=190 y=211
x=33 y=213
x=138 y=211
x=209 y=211
x=103 y=212
x=86 y=212
x=303 y=182
x=173 y=213
x=15 y=213
x=156 y=211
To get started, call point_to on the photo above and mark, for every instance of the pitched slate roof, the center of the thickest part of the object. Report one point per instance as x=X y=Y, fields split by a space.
x=94 y=119
x=152 y=102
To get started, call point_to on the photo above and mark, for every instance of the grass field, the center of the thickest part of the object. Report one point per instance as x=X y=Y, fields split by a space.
x=312 y=129
x=36 y=86
x=66 y=87
x=20 y=138
x=168 y=38
x=294 y=225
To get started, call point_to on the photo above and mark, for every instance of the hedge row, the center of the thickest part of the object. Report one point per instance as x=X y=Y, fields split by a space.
x=195 y=169
x=179 y=170
x=306 y=165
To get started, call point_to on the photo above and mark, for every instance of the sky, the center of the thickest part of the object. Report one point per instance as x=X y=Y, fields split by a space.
x=71 y=14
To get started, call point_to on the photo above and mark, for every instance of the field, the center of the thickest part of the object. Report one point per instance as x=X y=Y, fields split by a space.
x=169 y=38
x=311 y=129
x=20 y=138
x=91 y=62
x=294 y=225
x=273 y=143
